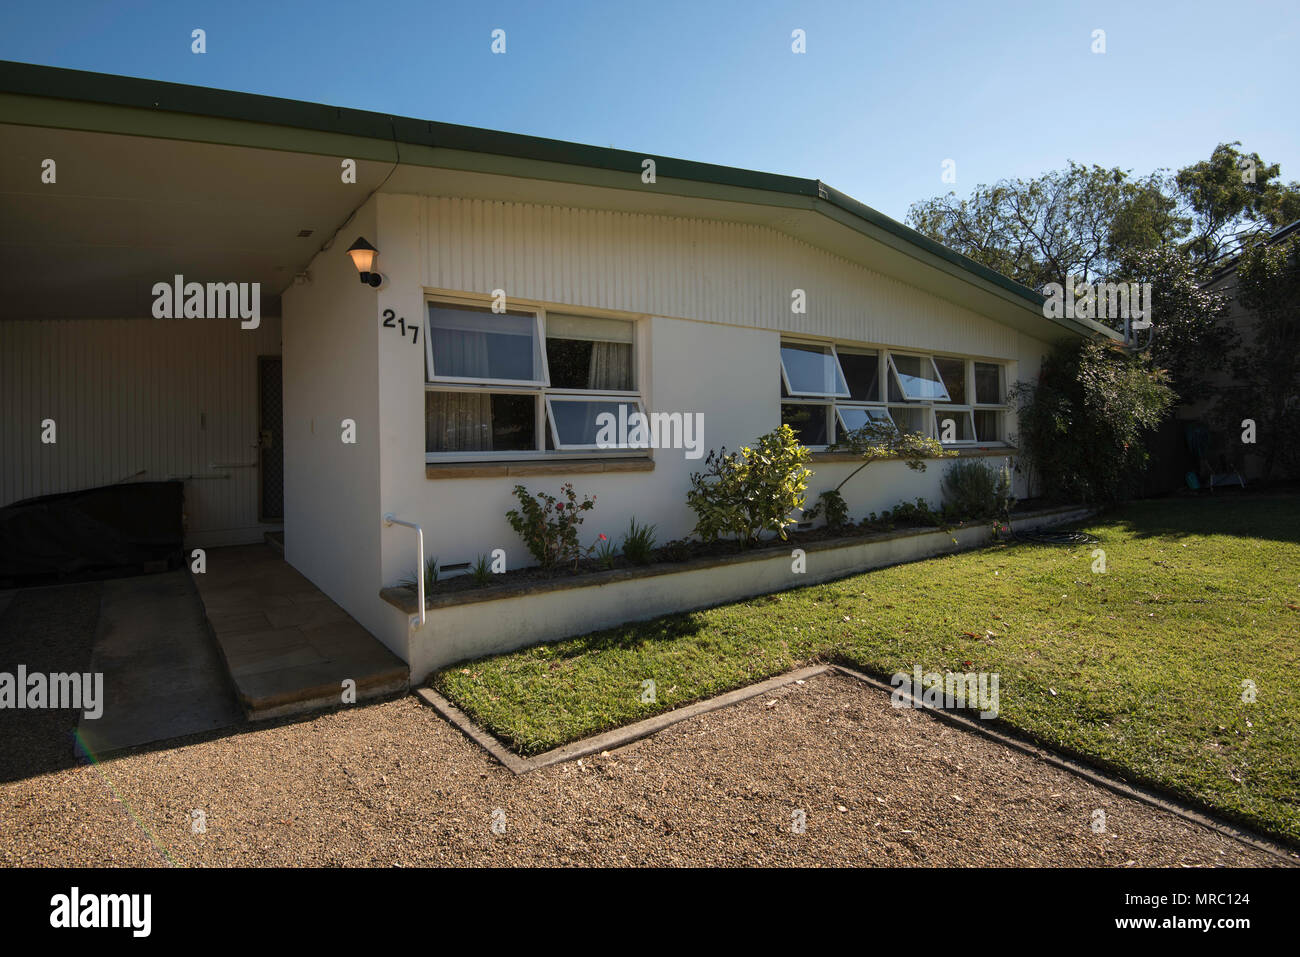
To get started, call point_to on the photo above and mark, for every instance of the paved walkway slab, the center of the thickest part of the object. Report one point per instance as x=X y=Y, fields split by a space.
x=163 y=675
x=287 y=646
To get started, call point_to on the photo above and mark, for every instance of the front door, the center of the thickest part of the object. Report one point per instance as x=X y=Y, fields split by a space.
x=270 y=459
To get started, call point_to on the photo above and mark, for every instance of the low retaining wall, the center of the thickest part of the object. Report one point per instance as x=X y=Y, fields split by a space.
x=487 y=621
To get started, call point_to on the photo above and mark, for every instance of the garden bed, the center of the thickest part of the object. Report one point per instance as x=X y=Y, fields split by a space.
x=677 y=556
x=474 y=622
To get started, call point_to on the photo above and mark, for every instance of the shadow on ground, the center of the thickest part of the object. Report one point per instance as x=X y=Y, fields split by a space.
x=47 y=630
x=1224 y=512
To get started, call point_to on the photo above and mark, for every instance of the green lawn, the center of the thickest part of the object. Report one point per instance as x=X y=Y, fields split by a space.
x=1139 y=669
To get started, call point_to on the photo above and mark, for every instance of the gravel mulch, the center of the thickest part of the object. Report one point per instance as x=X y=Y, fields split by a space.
x=392 y=784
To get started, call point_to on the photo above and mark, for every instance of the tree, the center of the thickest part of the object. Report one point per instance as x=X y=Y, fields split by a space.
x=1084 y=422
x=1267 y=369
x=1080 y=221
x=1230 y=199
x=1090 y=222
x=1190 y=335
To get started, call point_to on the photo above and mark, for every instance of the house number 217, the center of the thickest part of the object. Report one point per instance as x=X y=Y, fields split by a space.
x=391 y=321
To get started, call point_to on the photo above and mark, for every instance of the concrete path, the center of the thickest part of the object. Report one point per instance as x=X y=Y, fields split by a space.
x=288 y=647
x=163 y=675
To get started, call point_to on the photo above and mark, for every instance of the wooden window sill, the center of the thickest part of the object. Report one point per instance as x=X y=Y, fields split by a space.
x=524 y=467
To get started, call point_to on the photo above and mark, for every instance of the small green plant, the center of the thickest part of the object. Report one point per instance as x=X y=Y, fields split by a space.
x=746 y=493
x=678 y=550
x=604 y=551
x=973 y=490
x=548 y=526
x=832 y=503
x=916 y=513
x=639 y=543
x=431 y=571
x=482 y=571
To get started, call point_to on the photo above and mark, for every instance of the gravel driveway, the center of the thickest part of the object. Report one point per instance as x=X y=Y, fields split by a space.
x=392 y=784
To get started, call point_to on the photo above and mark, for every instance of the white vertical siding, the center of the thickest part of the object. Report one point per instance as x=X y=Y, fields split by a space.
x=732 y=273
x=127 y=394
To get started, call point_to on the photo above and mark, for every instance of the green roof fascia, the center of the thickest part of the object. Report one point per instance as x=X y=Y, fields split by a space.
x=36 y=95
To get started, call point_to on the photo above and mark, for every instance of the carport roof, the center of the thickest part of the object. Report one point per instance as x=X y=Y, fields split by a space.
x=40 y=96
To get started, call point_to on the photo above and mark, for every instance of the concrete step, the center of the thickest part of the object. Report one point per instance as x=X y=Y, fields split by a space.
x=288 y=648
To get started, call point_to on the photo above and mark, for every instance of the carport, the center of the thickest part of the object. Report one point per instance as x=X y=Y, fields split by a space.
x=108 y=187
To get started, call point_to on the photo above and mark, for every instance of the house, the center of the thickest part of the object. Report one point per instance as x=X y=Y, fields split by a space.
x=180 y=301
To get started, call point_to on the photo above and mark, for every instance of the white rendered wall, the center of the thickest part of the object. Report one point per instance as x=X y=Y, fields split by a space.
x=166 y=397
x=331 y=369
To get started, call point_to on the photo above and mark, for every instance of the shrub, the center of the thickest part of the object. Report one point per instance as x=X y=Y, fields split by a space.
x=916 y=513
x=482 y=570
x=678 y=550
x=832 y=503
x=639 y=543
x=548 y=526
x=1084 y=424
x=746 y=493
x=973 y=489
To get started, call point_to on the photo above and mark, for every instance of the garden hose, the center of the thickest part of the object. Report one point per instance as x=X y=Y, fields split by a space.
x=1054 y=538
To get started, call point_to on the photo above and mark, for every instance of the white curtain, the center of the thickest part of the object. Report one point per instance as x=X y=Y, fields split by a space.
x=457 y=422
x=611 y=367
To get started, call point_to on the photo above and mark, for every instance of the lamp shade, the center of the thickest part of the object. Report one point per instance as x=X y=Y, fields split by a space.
x=363 y=255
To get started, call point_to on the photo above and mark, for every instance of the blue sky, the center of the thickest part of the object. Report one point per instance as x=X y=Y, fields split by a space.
x=884 y=94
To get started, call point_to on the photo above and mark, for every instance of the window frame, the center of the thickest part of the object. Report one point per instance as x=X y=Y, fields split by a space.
x=925 y=357
x=930 y=410
x=539 y=348
x=570 y=396
x=839 y=370
x=541 y=391
x=868 y=407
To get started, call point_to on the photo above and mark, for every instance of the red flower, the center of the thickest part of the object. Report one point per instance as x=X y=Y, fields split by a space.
x=603 y=538
x=559 y=506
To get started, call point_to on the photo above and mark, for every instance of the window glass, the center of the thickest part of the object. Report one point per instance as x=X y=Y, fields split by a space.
x=952 y=425
x=808 y=421
x=988 y=426
x=479 y=422
x=909 y=418
x=589 y=353
x=862 y=372
x=917 y=377
x=853 y=418
x=577 y=421
x=988 y=383
x=812 y=370
x=474 y=343
x=953 y=373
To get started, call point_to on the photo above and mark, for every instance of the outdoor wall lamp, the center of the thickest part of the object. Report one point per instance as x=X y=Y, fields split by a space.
x=363 y=256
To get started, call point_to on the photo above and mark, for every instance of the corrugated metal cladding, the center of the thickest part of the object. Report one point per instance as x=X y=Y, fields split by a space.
x=709 y=270
x=170 y=396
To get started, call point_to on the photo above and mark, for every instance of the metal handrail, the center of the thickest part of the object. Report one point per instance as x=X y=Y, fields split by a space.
x=391 y=519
